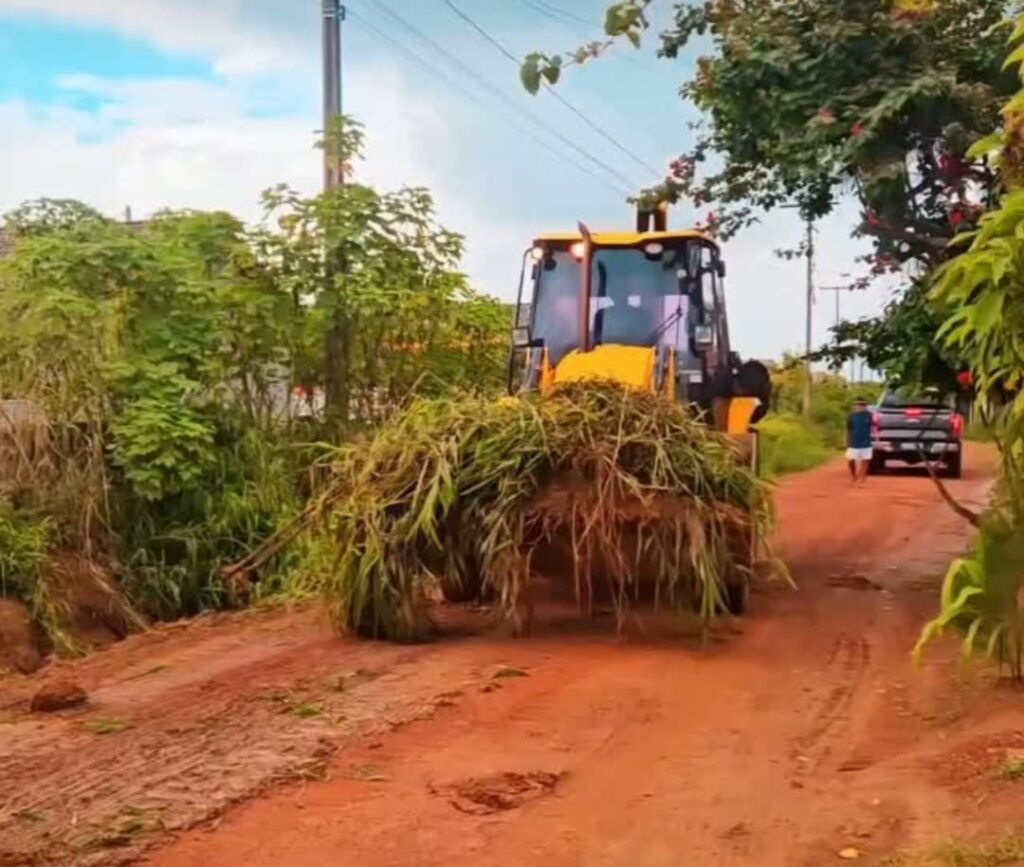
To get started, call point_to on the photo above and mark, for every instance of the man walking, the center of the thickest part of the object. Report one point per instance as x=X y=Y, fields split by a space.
x=858 y=441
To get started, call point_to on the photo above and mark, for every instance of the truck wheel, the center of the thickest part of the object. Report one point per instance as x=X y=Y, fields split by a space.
x=954 y=466
x=877 y=465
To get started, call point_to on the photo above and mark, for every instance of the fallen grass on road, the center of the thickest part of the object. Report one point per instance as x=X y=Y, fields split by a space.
x=1000 y=852
x=623 y=486
x=1013 y=770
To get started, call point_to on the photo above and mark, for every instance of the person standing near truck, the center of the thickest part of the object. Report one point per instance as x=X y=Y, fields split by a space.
x=858 y=441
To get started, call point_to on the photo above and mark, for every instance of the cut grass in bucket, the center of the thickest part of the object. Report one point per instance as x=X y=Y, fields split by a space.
x=621 y=493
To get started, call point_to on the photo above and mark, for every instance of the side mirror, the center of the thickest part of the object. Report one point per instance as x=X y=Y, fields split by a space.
x=720 y=268
x=521 y=337
x=704 y=337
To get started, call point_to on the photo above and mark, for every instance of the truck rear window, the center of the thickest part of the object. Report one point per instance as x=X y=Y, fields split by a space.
x=897 y=398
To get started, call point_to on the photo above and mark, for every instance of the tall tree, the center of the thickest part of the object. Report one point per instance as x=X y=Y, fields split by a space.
x=808 y=101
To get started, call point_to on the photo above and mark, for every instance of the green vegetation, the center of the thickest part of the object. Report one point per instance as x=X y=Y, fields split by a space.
x=791 y=443
x=105 y=726
x=617 y=485
x=1013 y=769
x=307 y=710
x=982 y=595
x=1006 y=850
x=164 y=438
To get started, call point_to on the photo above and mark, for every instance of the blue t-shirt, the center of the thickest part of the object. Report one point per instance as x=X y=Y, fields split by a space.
x=858 y=430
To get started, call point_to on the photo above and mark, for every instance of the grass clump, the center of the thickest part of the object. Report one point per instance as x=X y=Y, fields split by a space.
x=1005 y=850
x=1013 y=769
x=25 y=542
x=105 y=726
x=1008 y=849
x=620 y=490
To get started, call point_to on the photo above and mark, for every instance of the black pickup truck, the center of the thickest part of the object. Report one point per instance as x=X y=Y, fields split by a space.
x=912 y=427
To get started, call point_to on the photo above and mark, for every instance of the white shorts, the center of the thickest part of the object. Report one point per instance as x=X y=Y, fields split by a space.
x=859 y=454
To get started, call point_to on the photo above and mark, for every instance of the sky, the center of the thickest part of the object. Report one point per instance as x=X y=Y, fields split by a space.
x=147 y=104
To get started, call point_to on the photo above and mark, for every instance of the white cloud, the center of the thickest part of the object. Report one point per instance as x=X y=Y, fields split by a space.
x=245 y=62
x=180 y=142
x=187 y=143
x=240 y=35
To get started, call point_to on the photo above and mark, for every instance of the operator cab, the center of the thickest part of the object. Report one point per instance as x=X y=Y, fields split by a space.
x=660 y=290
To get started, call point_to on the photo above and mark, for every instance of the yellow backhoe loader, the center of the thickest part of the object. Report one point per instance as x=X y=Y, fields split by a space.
x=645 y=309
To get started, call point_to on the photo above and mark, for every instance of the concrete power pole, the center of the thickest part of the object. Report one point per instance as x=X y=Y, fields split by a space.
x=335 y=388
x=810 y=309
x=333 y=15
x=836 y=290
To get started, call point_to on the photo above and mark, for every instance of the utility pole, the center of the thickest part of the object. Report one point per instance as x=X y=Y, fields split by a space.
x=336 y=344
x=836 y=290
x=810 y=307
x=808 y=253
x=333 y=15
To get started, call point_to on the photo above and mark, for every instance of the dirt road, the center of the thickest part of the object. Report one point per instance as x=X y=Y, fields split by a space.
x=263 y=740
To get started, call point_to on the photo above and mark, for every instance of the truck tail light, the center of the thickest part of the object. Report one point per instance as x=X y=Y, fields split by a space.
x=876 y=423
x=956 y=424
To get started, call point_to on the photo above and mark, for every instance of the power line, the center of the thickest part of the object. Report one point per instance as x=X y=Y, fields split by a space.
x=580 y=114
x=476 y=100
x=415 y=58
x=563 y=13
x=546 y=13
x=502 y=96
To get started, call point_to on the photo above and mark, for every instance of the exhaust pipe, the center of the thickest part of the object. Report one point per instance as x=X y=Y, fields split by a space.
x=656 y=218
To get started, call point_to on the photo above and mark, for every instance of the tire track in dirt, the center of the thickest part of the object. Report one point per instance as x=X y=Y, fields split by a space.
x=829 y=714
x=183 y=752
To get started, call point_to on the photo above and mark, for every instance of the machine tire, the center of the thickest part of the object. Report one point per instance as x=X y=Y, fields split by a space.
x=737 y=595
x=464 y=591
x=752 y=379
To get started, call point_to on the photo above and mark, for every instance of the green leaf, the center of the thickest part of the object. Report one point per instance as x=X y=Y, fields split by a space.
x=530 y=74
x=967 y=646
x=1015 y=58
x=988 y=310
x=992 y=647
x=986 y=145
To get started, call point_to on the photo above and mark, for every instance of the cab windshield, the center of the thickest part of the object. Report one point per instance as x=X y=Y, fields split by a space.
x=639 y=297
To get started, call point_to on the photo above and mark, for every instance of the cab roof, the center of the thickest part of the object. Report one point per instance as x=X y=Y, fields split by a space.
x=624 y=239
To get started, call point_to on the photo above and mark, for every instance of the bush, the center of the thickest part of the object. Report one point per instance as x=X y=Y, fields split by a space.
x=25 y=541
x=790 y=445
x=981 y=597
x=793 y=443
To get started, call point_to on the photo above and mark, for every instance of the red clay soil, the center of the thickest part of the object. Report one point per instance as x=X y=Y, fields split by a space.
x=264 y=740
x=19 y=643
